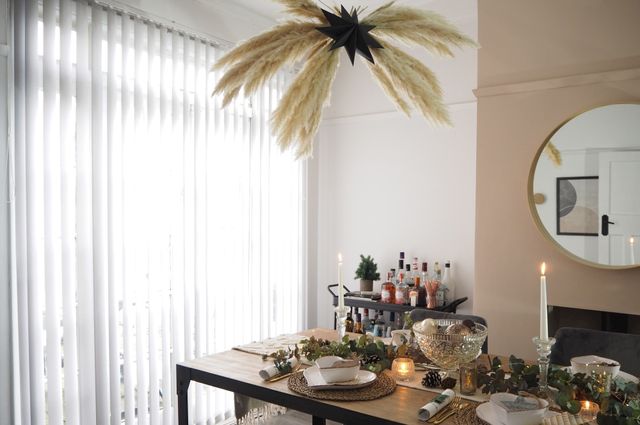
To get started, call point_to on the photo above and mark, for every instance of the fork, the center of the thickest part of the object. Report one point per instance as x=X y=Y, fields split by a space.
x=454 y=403
x=451 y=413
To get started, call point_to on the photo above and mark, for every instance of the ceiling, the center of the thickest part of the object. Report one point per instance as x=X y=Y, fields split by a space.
x=454 y=10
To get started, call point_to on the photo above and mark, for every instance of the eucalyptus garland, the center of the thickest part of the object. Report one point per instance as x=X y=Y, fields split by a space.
x=374 y=356
x=620 y=406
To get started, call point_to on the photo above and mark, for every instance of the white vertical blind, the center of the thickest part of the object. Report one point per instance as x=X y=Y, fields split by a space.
x=151 y=226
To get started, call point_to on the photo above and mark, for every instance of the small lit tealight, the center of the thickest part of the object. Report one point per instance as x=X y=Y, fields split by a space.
x=403 y=369
x=589 y=410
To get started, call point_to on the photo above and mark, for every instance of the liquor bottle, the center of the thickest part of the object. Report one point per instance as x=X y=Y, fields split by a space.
x=372 y=321
x=378 y=328
x=400 y=272
x=415 y=274
x=349 y=322
x=392 y=322
x=388 y=290
x=437 y=276
x=449 y=284
x=399 y=322
x=413 y=296
x=402 y=290
x=365 y=320
x=357 y=325
x=422 y=289
x=408 y=277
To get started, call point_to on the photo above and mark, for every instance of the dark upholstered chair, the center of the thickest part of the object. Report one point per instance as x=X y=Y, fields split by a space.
x=573 y=342
x=420 y=314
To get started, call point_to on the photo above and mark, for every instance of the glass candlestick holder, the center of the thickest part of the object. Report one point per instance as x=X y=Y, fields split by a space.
x=543 y=347
x=341 y=321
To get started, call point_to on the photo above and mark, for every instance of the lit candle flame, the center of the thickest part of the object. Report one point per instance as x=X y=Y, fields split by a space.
x=631 y=240
x=339 y=257
x=543 y=268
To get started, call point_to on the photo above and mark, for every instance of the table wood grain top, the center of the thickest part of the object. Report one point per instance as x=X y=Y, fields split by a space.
x=233 y=368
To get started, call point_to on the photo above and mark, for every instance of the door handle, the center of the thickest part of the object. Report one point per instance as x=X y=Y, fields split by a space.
x=605 y=225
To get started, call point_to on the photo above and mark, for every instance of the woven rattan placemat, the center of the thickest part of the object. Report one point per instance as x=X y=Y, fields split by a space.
x=468 y=416
x=382 y=386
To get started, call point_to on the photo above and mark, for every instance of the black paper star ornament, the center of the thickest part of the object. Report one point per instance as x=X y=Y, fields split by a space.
x=347 y=32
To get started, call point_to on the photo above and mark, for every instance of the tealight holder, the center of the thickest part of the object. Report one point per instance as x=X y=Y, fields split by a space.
x=543 y=347
x=468 y=378
x=341 y=321
x=403 y=369
x=589 y=410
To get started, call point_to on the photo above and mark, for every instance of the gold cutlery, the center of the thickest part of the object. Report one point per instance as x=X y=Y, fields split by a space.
x=455 y=411
x=454 y=403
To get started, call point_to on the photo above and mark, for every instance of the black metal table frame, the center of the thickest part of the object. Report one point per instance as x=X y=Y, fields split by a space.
x=319 y=410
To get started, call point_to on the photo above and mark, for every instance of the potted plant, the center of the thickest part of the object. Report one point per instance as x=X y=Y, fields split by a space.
x=367 y=272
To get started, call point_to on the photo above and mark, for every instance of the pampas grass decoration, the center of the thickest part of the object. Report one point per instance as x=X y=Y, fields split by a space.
x=404 y=79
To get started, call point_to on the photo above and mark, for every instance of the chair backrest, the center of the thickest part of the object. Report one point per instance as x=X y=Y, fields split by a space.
x=420 y=314
x=573 y=342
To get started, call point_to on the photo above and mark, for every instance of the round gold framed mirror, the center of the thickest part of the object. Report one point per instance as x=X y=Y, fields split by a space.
x=584 y=187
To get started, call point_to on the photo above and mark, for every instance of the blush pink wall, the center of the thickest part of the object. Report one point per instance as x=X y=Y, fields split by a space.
x=540 y=63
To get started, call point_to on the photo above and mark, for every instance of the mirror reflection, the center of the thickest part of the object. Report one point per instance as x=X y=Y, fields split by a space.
x=585 y=188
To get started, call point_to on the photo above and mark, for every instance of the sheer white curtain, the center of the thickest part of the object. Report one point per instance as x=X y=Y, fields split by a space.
x=149 y=225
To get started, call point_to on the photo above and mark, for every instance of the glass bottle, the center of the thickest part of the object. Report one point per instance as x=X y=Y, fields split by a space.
x=378 y=328
x=422 y=290
x=408 y=276
x=449 y=284
x=402 y=290
x=357 y=325
x=437 y=277
x=415 y=274
x=388 y=290
x=365 y=320
x=349 y=322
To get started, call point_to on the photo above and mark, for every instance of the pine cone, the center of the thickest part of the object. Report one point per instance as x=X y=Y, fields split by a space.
x=372 y=359
x=448 y=383
x=432 y=379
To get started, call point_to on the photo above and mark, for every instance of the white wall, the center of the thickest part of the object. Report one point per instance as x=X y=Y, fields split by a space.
x=5 y=293
x=222 y=19
x=385 y=183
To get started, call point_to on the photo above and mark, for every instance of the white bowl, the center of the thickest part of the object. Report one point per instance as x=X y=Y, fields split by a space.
x=336 y=369
x=522 y=417
x=583 y=364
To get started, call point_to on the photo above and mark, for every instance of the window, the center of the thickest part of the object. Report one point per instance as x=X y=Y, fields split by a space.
x=151 y=226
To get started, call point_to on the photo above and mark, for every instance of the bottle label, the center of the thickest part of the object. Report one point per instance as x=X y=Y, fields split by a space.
x=414 y=300
x=399 y=297
x=385 y=296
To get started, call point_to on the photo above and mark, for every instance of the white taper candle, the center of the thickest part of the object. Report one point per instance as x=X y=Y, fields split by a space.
x=544 y=326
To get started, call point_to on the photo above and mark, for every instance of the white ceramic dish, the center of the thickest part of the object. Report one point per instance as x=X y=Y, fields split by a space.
x=624 y=376
x=518 y=417
x=316 y=381
x=581 y=364
x=487 y=413
x=336 y=369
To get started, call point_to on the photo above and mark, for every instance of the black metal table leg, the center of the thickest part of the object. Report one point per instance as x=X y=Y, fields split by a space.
x=183 y=378
x=318 y=421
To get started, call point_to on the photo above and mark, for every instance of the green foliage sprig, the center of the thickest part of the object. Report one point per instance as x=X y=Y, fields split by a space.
x=282 y=359
x=367 y=269
x=522 y=376
x=374 y=356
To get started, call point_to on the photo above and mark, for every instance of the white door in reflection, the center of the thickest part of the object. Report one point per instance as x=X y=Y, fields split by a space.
x=619 y=198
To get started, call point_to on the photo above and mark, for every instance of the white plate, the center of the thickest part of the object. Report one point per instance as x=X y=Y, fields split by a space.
x=486 y=413
x=627 y=377
x=316 y=382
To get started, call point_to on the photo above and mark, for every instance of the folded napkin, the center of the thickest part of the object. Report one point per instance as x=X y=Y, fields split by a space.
x=272 y=371
x=437 y=404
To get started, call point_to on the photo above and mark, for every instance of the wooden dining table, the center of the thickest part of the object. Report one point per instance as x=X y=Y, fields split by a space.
x=237 y=371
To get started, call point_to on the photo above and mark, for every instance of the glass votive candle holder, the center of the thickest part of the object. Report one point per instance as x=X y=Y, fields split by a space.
x=589 y=410
x=468 y=378
x=403 y=369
